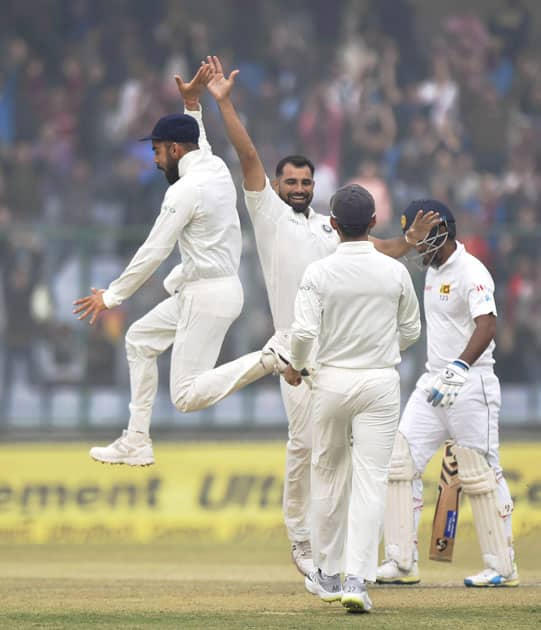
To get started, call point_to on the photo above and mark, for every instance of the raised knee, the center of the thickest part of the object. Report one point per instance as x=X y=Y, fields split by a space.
x=183 y=398
x=181 y=404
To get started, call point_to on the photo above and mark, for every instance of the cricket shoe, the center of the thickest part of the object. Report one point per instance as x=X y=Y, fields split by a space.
x=490 y=578
x=301 y=554
x=271 y=358
x=326 y=587
x=278 y=359
x=390 y=573
x=355 y=596
x=126 y=450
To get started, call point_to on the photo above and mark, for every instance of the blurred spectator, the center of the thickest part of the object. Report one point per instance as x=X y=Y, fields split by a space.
x=410 y=104
x=368 y=175
x=21 y=263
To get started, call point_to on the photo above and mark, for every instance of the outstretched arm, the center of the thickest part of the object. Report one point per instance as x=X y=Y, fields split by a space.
x=191 y=94
x=399 y=246
x=220 y=87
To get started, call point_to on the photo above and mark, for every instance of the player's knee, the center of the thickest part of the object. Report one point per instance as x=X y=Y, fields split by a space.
x=474 y=472
x=402 y=466
x=183 y=399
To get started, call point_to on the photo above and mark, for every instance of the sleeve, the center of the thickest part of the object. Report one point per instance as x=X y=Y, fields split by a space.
x=480 y=294
x=156 y=248
x=409 y=320
x=264 y=204
x=198 y=115
x=307 y=324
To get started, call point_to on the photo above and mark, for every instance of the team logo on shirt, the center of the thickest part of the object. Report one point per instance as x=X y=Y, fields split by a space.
x=169 y=209
x=327 y=228
x=445 y=290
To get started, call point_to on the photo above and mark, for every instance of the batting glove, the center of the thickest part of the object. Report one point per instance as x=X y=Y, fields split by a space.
x=445 y=388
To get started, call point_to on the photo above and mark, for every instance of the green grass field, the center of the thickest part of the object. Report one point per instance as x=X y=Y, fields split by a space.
x=242 y=586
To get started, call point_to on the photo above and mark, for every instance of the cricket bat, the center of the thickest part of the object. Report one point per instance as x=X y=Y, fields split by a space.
x=446 y=512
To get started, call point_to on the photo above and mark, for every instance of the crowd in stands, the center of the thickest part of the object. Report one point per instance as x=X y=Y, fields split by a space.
x=444 y=104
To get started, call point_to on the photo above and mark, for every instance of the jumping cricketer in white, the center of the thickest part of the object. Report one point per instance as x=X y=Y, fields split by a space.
x=361 y=307
x=289 y=236
x=458 y=397
x=199 y=212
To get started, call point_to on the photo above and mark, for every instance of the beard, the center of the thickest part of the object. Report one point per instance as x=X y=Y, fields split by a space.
x=297 y=204
x=170 y=171
x=171 y=175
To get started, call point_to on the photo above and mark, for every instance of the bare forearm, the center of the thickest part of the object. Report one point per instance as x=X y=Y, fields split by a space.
x=393 y=247
x=483 y=334
x=252 y=168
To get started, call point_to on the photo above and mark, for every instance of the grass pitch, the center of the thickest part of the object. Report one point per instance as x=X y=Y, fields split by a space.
x=242 y=586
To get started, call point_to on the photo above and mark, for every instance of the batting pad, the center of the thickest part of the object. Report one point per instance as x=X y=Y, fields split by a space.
x=479 y=482
x=398 y=530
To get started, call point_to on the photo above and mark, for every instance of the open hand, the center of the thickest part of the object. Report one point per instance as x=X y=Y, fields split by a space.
x=422 y=224
x=91 y=305
x=219 y=86
x=191 y=91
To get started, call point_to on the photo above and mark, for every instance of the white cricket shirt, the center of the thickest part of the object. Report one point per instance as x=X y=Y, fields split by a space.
x=287 y=242
x=455 y=294
x=199 y=213
x=362 y=307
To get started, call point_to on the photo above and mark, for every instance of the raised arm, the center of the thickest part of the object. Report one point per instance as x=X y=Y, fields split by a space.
x=220 y=87
x=191 y=94
x=399 y=246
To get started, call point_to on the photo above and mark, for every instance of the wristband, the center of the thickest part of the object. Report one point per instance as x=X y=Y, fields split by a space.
x=461 y=364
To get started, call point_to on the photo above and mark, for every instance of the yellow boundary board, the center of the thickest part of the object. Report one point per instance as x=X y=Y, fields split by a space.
x=214 y=491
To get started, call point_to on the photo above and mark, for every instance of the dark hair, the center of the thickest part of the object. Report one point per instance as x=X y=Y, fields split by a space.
x=297 y=160
x=352 y=232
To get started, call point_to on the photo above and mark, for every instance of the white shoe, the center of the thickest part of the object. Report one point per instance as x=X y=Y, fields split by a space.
x=278 y=360
x=125 y=451
x=390 y=573
x=326 y=587
x=355 y=596
x=272 y=359
x=301 y=554
x=490 y=578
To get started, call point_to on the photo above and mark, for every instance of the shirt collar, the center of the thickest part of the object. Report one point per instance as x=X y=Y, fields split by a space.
x=188 y=160
x=458 y=251
x=355 y=247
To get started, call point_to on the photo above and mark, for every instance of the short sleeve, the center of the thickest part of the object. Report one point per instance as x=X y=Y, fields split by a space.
x=481 y=293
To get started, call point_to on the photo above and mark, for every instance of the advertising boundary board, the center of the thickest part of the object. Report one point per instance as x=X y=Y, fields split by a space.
x=53 y=493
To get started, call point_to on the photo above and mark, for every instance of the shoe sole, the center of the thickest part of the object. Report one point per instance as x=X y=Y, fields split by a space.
x=354 y=605
x=126 y=463
x=405 y=581
x=313 y=588
x=510 y=584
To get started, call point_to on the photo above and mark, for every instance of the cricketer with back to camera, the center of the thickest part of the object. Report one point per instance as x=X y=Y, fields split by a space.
x=362 y=308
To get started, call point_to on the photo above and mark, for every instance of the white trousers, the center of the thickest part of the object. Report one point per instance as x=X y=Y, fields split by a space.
x=296 y=503
x=349 y=484
x=195 y=321
x=472 y=422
